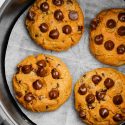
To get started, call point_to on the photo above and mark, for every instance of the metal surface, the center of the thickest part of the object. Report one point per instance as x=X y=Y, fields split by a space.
x=9 y=13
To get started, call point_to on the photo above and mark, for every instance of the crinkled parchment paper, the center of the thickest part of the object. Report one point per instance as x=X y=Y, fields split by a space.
x=78 y=59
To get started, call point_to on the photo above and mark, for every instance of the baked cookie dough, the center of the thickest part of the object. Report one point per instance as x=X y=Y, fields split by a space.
x=55 y=24
x=107 y=37
x=42 y=83
x=100 y=97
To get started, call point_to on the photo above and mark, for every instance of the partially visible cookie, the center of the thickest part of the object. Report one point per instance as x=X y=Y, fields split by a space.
x=100 y=97
x=55 y=24
x=42 y=83
x=107 y=37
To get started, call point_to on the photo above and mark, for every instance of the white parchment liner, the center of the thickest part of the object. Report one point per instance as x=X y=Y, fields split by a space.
x=78 y=59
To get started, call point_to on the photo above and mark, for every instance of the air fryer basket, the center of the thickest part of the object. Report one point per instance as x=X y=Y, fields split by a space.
x=9 y=13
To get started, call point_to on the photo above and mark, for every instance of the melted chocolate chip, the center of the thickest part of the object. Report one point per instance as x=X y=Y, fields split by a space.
x=109 y=83
x=99 y=39
x=41 y=63
x=19 y=94
x=58 y=2
x=53 y=94
x=44 y=7
x=67 y=29
x=121 y=17
x=82 y=90
x=58 y=15
x=111 y=23
x=93 y=25
x=37 y=85
x=117 y=117
x=121 y=49
x=55 y=74
x=31 y=15
x=82 y=114
x=80 y=28
x=109 y=45
x=117 y=99
x=54 y=34
x=27 y=69
x=44 y=27
x=100 y=95
x=96 y=79
x=90 y=98
x=73 y=15
x=41 y=72
x=103 y=112
x=121 y=31
x=28 y=97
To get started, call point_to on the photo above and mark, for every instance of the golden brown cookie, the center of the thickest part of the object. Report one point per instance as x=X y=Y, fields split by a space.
x=100 y=97
x=55 y=24
x=42 y=83
x=107 y=37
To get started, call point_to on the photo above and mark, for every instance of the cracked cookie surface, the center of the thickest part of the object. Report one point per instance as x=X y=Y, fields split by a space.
x=42 y=83
x=55 y=24
x=107 y=37
x=100 y=97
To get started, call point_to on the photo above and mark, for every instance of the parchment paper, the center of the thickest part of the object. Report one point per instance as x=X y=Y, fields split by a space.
x=78 y=59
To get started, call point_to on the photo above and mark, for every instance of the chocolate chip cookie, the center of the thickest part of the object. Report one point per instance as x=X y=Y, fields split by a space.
x=55 y=24
x=107 y=37
x=42 y=83
x=100 y=97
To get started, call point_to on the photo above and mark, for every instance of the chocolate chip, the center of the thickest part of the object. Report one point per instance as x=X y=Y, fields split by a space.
x=111 y=23
x=82 y=90
x=117 y=99
x=90 y=98
x=37 y=85
x=28 y=97
x=100 y=95
x=103 y=112
x=117 y=117
x=96 y=79
x=58 y=15
x=121 y=16
x=54 y=34
x=80 y=28
x=55 y=74
x=19 y=94
x=42 y=72
x=121 y=49
x=53 y=94
x=67 y=29
x=121 y=31
x=82 y=114
x=27 y=69
x=41 y=63
x=109 y=45
x=73 y=15
x=109 y=83
x=58 y=2
x=31 y=15
x=44 y=6
x=99 y=39
x=44 y=27
x=93 y=25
